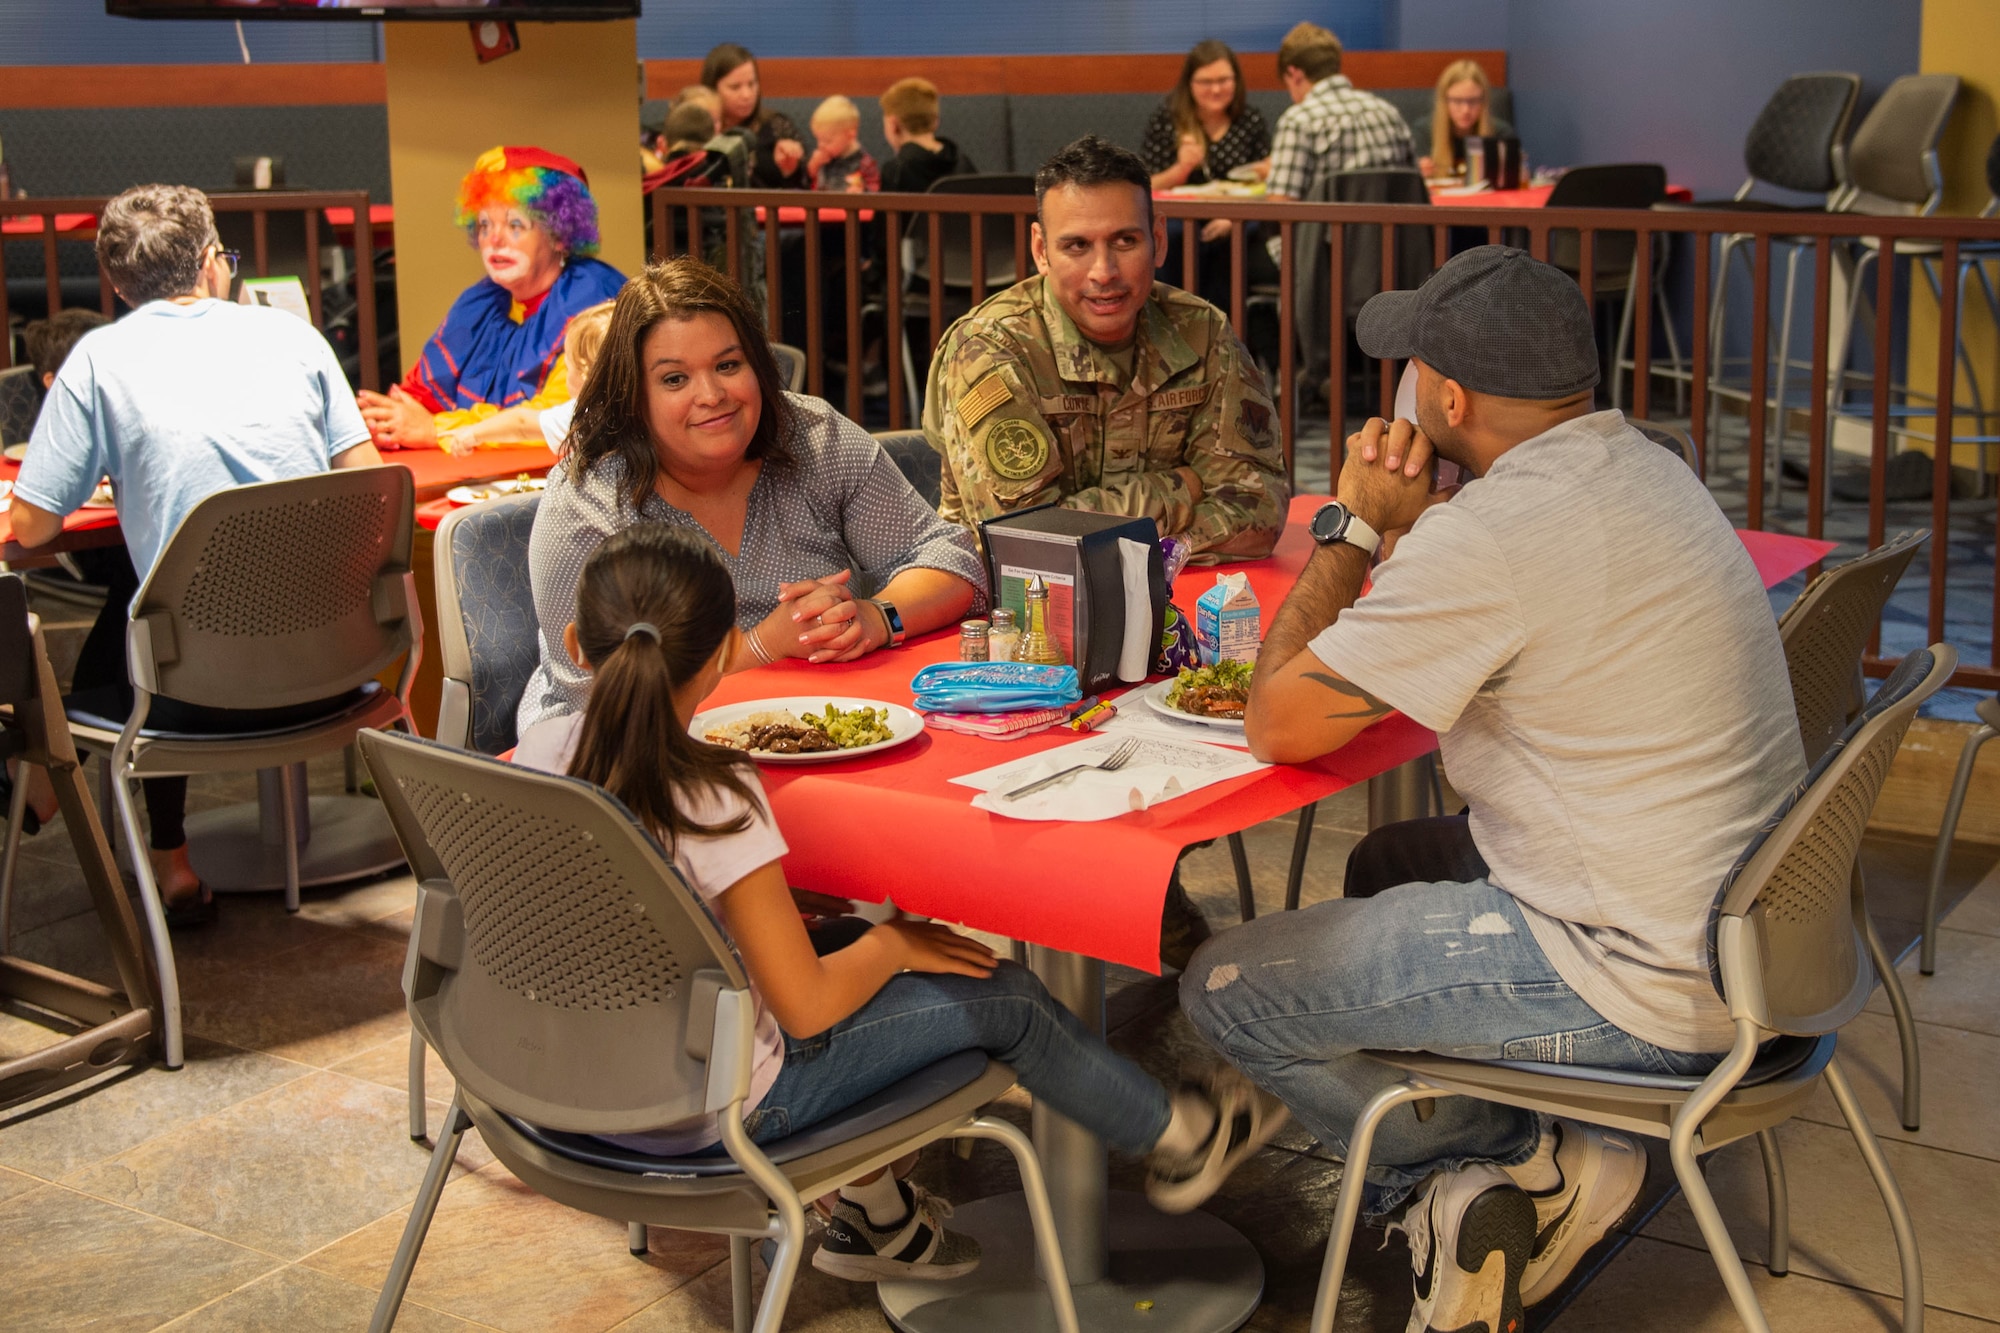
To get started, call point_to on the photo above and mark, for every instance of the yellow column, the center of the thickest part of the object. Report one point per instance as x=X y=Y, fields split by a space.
x=572 y=88
x=1961 y=37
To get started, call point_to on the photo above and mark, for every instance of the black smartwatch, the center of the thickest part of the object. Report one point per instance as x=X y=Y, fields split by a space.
x=1335 y=522
x=889 y=617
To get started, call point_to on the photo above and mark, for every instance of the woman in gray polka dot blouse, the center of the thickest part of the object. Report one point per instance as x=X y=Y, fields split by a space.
x=683 y=421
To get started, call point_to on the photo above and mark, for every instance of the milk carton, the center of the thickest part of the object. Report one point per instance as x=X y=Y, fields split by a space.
x=1226 y=620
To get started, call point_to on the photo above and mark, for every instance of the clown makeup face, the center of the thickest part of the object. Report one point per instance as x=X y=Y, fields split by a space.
x=518 y=252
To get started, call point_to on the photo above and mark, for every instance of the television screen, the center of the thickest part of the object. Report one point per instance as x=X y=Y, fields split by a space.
x=543 y=10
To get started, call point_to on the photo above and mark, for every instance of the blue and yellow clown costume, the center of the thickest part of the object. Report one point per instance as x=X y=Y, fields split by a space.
x=493 y=352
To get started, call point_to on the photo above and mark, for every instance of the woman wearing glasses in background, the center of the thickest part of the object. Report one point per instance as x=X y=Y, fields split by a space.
x=1463 y=107
x=1205 y=129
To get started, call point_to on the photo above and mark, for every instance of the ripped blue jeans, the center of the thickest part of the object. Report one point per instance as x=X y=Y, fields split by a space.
x=1447 y=967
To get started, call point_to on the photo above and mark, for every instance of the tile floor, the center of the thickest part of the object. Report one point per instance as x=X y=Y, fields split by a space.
x=264 y=1185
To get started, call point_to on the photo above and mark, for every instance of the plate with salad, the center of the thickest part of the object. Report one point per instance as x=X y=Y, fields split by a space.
x=1212 y=695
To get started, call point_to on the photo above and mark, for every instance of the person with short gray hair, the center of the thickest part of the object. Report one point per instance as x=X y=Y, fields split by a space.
x=187 y=395
x=1593 y=646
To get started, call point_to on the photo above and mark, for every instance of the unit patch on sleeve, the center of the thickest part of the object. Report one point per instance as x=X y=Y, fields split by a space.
x=1017 y=448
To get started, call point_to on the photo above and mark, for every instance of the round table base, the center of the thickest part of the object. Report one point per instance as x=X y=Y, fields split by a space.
x=350 y=838
x=1189 y=1274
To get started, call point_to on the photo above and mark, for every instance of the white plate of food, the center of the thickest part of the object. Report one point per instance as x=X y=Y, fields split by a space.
x=102 y=497
x=16 y=452
x=1205 y=694
x=493 y=490
x=797 y=730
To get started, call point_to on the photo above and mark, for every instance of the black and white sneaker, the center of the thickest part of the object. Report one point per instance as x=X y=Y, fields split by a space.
x=1246 y=1118
x=918 y=1247
x=1602 y=1172
x=1470 y=1231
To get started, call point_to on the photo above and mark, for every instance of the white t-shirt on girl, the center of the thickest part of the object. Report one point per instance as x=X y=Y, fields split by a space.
x=710 y=865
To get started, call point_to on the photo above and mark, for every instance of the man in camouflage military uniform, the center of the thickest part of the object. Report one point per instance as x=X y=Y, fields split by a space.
x=1092 y=385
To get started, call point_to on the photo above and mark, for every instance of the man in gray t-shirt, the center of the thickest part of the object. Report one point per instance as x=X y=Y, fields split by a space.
x=1593 y=645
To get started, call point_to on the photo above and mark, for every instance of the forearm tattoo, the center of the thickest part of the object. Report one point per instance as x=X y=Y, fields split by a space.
x=1358 y=703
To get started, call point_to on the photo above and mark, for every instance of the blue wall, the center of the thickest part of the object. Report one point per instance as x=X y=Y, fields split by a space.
x=77 y=32
x=1680 y=83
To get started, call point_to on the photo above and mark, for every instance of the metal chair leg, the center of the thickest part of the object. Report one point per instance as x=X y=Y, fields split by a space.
x=17 y=810
x=1246 y=892
x=740 y=1306
x=419 y=1113
x=1892 y=1197
x=419 y=1225
x=791 y=1224
x=635 y=1239
x=1301 y=843
x=1048 y=1249
x=288 y=788
x=1947 y=831
x=1906 y=1023
x=1779 y=1261
x=156 y=921
x=1326 y=1303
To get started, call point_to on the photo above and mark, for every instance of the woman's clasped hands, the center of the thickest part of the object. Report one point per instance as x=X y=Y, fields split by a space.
x=820 y=620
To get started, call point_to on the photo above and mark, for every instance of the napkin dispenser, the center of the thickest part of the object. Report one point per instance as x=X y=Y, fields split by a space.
x=1493 y=160
x=1107 y=586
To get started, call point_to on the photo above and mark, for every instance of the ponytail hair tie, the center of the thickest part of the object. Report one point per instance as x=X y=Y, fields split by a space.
x=643 y=627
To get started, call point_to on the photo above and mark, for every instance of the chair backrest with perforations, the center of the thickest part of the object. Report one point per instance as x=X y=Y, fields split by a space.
x=488 y=636
x=1673 y=439
x=1796 y=137
x=280 y=593
x=1795 y=884
x=792 y=365
x=1893 y=159
x=1825 y=632
x=554 y=959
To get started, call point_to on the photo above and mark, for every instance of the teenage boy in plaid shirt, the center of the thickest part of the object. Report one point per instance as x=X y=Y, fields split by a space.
x=1332 y=125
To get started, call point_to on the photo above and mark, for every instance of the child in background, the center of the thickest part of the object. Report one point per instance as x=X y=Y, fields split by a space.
x=685 y=156
x=909 y=123
x=655 y=625
x=525 y=425
x=839 y=162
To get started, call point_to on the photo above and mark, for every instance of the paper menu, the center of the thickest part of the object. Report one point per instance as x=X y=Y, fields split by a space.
x=1158 y=771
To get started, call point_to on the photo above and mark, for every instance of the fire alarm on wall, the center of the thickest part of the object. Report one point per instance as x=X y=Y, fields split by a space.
x=493 y=38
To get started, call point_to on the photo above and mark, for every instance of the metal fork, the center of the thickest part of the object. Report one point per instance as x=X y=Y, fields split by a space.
x=1114 y=761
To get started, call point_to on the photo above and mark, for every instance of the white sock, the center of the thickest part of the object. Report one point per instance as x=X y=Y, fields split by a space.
x=1188 y=1126
x=880 y=1199
x=1539 y=1173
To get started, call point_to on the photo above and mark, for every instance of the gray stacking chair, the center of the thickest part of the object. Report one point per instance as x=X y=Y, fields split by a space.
x=575 y=987
x=1988 y=728
x=1674 y=439
x=913 y=456
x=102 y=1027
x=267 y=596
x=20 y=403
x=1786 y=954
x=1825 y=632
x=489 y=644
x=488 y=638
x=792 y=365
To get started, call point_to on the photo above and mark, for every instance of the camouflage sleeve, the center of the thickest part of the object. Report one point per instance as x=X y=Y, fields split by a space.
x=997 y=452
x=1233 y=446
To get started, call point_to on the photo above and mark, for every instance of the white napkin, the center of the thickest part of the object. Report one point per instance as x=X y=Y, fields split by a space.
x=1159 y=771
x=1135 y=655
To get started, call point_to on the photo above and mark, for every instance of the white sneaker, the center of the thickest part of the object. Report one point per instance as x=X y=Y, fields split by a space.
x=1470 y=1231
x=1246 y=1118
x=1601 y=1174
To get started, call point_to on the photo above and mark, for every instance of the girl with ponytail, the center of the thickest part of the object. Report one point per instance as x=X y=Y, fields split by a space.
x=655 y=624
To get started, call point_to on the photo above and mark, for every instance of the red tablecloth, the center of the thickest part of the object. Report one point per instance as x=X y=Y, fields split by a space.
x=790 y=215
x=1533 y=196
x=894 y=826
x=72 y=225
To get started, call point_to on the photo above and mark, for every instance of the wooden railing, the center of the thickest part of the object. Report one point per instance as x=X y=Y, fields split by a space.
x=1831 y=238
x=261 y=206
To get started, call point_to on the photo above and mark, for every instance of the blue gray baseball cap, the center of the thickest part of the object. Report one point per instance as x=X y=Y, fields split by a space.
x=1496 y=319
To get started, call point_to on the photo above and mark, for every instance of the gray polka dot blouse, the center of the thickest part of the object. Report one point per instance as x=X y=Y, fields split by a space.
x=841 y=504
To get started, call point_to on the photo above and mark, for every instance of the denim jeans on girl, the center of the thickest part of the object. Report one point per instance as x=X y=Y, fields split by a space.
x=919 y=1018
x=1445 y=967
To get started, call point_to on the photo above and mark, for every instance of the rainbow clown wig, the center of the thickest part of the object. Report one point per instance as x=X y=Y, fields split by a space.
x=546 y=186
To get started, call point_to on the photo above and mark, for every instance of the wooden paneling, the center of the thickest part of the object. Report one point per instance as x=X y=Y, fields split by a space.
x=1912 y=800
x=192 y=85
x=803 y=76
x=365 y=84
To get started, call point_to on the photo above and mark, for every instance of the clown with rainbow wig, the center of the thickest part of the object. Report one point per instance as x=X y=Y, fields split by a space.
x=530 y=214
